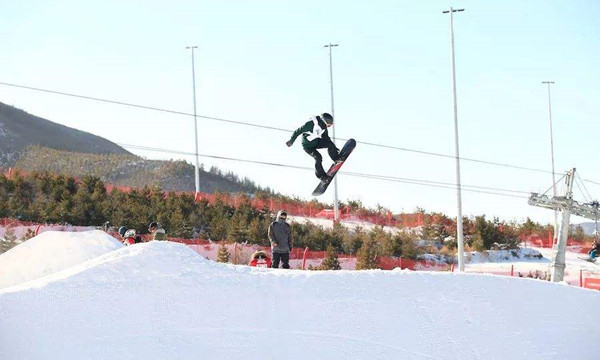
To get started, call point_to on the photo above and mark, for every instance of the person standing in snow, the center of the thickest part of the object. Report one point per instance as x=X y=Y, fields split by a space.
x=280 y=236
x=157 y=232
x=315 y=136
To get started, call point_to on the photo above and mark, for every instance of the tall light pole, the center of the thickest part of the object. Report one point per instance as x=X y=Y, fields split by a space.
x=197 y=165
x=459 y=225
x=555 y=237
x=336 y=215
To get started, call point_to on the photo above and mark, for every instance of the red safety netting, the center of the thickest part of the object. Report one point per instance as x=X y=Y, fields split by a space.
x=546 y=241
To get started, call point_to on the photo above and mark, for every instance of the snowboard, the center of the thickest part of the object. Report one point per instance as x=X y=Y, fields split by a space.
x=344 y=153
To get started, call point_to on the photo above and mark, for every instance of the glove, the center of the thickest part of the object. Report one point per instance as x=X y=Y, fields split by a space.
x=289 y=143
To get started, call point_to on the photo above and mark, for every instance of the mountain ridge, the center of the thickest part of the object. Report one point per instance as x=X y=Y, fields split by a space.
x=32 y=143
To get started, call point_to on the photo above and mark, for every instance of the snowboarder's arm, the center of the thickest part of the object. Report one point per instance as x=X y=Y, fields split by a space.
x=302 y=129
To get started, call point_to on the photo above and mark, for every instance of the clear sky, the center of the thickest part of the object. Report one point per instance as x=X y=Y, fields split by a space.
x=264 y=62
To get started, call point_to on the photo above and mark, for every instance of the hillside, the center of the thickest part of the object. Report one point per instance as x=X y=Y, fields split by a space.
x=130 y=170
x=31 y=143
x=19 y=129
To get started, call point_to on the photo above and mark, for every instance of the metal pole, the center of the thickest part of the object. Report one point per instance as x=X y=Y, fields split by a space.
x=336 y=215
x=558 y=263
x=459 y=225
x=197 y=165
x=554 y=240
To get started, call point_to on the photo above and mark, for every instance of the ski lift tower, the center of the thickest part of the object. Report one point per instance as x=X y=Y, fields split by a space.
x=567 y=206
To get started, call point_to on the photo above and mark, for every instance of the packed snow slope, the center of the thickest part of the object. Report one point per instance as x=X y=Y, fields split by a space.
x=160 y=300
x=50 y=252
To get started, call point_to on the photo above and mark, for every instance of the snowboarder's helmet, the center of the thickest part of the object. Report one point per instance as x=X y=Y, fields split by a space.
x=327 y=118
x=122 y=230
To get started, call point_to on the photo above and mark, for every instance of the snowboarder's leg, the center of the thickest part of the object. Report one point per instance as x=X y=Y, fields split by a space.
x=333 y=151
x=285 y=259
x=276 y=258
x=593 y=254
x=319 y=171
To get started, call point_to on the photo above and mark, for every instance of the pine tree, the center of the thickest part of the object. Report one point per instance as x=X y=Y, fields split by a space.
x=10 y=241
x=331 y=261
x=409 y=247
x=257 y=232
x=4 y=196
x=353 y=242
x=367 y=255
x=28 y=235
x=238 y=229
x=529 y=227
x=21 y=198
x=223 y=254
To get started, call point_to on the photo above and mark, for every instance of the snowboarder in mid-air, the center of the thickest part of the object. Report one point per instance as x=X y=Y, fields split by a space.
x=315 y=136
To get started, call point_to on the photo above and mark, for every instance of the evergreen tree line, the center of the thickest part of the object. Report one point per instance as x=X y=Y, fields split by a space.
x=47 y=198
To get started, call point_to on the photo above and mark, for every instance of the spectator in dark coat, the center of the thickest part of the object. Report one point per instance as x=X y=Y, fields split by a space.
x=280 y=236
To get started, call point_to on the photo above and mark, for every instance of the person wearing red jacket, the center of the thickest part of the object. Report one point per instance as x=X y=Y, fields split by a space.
x=260 y=259
x=128 y=235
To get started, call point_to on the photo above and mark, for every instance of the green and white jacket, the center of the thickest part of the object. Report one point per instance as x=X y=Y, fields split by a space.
x=314 y=130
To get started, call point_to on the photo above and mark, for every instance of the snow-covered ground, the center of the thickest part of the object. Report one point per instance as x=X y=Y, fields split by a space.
x=161 y=300
x=21 y=230
x=348 y=223
x=51 y=252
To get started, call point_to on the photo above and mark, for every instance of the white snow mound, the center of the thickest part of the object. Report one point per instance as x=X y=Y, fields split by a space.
x=160 y=300
x=50 y=252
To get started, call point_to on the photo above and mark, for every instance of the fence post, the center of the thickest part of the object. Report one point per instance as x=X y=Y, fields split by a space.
x=512 y=269
x=580 y=277
x=304 y=258
x=452 y=267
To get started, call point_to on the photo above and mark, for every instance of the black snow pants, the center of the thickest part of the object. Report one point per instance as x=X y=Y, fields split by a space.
x=333 y=151
x=285 y=259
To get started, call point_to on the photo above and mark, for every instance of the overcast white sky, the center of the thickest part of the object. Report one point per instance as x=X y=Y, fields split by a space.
x=264 y=62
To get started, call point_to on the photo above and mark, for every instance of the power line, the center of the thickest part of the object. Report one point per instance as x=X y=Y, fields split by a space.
x=429 y=183
x=143 y=107
x=272 y=127
x=589 y=197
x=592 y=182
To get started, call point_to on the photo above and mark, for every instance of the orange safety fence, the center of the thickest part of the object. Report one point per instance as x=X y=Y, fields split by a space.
x=547 y=241
x=592 y=283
